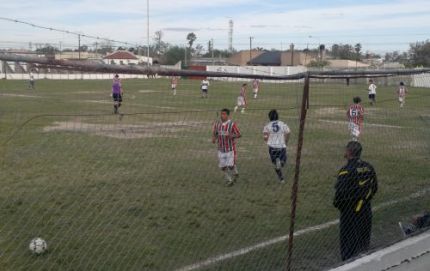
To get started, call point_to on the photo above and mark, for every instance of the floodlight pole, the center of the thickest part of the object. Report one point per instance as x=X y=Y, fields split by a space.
x=294 y=190
x=250 y=49
x=147 y=31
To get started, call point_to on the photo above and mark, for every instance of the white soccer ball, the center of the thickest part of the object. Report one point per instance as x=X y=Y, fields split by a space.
x=38 y=246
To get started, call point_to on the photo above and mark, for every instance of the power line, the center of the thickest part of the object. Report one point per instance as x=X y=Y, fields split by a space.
x=67 y=31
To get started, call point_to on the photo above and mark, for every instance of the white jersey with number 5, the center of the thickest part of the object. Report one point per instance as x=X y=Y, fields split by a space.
x=276 y=130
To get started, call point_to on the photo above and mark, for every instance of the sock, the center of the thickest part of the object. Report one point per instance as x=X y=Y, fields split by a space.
x=227 y=176
x=279 y=173
x=235 y=108
x=242 y=111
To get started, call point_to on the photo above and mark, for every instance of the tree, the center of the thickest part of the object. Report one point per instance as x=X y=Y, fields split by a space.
x=199 y=49
x=191 y=37
x=47 y=50
x=357 y=49
x=419 y=53
x=173 y=55
x=159 y=45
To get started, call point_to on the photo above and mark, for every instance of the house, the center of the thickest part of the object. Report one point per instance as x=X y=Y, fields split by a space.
x=125 y=58
x=242 y=58
x=346 y=64
x=268 y=58
x=297 y=58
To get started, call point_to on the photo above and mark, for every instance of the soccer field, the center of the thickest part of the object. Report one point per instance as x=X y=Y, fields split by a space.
x=142 y=191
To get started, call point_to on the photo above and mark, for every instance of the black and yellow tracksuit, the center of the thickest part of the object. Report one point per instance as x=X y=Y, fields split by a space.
x=356 y=185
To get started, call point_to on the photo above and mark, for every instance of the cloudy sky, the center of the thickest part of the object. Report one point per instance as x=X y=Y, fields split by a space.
x=379 y=25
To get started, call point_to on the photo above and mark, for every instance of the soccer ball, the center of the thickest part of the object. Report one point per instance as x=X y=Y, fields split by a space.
x=38 y=246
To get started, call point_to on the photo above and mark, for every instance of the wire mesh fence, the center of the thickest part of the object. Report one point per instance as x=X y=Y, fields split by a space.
x=141 y=190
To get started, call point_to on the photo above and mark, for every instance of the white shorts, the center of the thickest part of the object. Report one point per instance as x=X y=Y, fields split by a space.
x=354 y=129
x=173 y=86
x=241 y=101
x=226 y=159
x=255 y=90
x=401 y=99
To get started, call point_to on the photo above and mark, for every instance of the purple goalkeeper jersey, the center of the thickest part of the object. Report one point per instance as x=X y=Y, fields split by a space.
x=116 y=87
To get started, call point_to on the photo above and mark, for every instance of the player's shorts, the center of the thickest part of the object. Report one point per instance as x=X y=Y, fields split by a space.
x=255 y=90
x=372 y=96
x=173 y=86
x=117 y=97
x=241 y=101
x=401 y=99
x=354 y=129
x=226 y=159
x=280 y=153
x=205 y=90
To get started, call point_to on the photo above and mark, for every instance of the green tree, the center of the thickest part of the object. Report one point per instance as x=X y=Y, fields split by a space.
x=357 y=49
x=173 y=55
x=191 y=37
x=419 y=53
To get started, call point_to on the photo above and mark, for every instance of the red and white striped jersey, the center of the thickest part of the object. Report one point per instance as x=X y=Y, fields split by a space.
x=255 y=84
x=243 y=92
x=356 y=114
x=223 y=131
x=402 y=91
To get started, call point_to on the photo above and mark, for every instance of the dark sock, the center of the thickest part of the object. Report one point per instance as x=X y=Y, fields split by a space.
x=279 y=173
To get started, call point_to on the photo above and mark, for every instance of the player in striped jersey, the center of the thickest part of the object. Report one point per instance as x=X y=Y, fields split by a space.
x=355 y=116
x=255 y=87
x=225 y=133
x=401 y=92
x=241 y=99
x=276 y=134
x=204 y=85
x=174 y=83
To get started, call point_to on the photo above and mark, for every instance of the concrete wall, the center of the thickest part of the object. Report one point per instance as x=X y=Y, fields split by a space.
x=254 y=70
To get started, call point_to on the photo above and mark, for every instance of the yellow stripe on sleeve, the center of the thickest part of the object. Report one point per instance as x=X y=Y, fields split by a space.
x=359 y=205
x=343 y=172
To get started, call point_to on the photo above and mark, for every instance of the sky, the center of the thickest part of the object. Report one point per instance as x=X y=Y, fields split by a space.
x=379 y=25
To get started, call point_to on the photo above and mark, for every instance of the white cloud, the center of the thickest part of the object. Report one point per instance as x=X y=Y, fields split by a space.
x=328 y=24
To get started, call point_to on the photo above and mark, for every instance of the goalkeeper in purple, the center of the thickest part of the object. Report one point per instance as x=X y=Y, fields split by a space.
x=117 y=93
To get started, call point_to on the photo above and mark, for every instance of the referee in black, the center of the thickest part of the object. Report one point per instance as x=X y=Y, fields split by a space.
x=355 y=187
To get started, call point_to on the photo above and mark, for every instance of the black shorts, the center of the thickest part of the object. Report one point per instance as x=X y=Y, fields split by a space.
x=372 y=96
x=117 y=97
x=280 y=153
x=204 y=90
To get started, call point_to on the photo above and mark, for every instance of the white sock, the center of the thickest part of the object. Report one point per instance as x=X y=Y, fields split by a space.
x=235 y=108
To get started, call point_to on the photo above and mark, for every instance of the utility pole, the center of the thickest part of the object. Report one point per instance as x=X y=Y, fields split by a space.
x=185 y=56
x=212 y=51
x=79 y=46
x=250 y=50
x=147 y=30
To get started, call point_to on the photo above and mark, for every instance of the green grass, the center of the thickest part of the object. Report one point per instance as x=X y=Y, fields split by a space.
x=151 y=197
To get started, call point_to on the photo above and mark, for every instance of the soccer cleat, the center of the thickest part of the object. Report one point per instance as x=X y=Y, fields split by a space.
x=242 y=111
x=229 y=183
x=235 y=177
x=282 y=181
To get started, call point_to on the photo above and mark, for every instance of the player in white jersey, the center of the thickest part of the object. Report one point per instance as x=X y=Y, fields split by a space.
x=204 y=85
x=401 y=92
x=372 y=92
x=276 y=134
x=255 y=87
